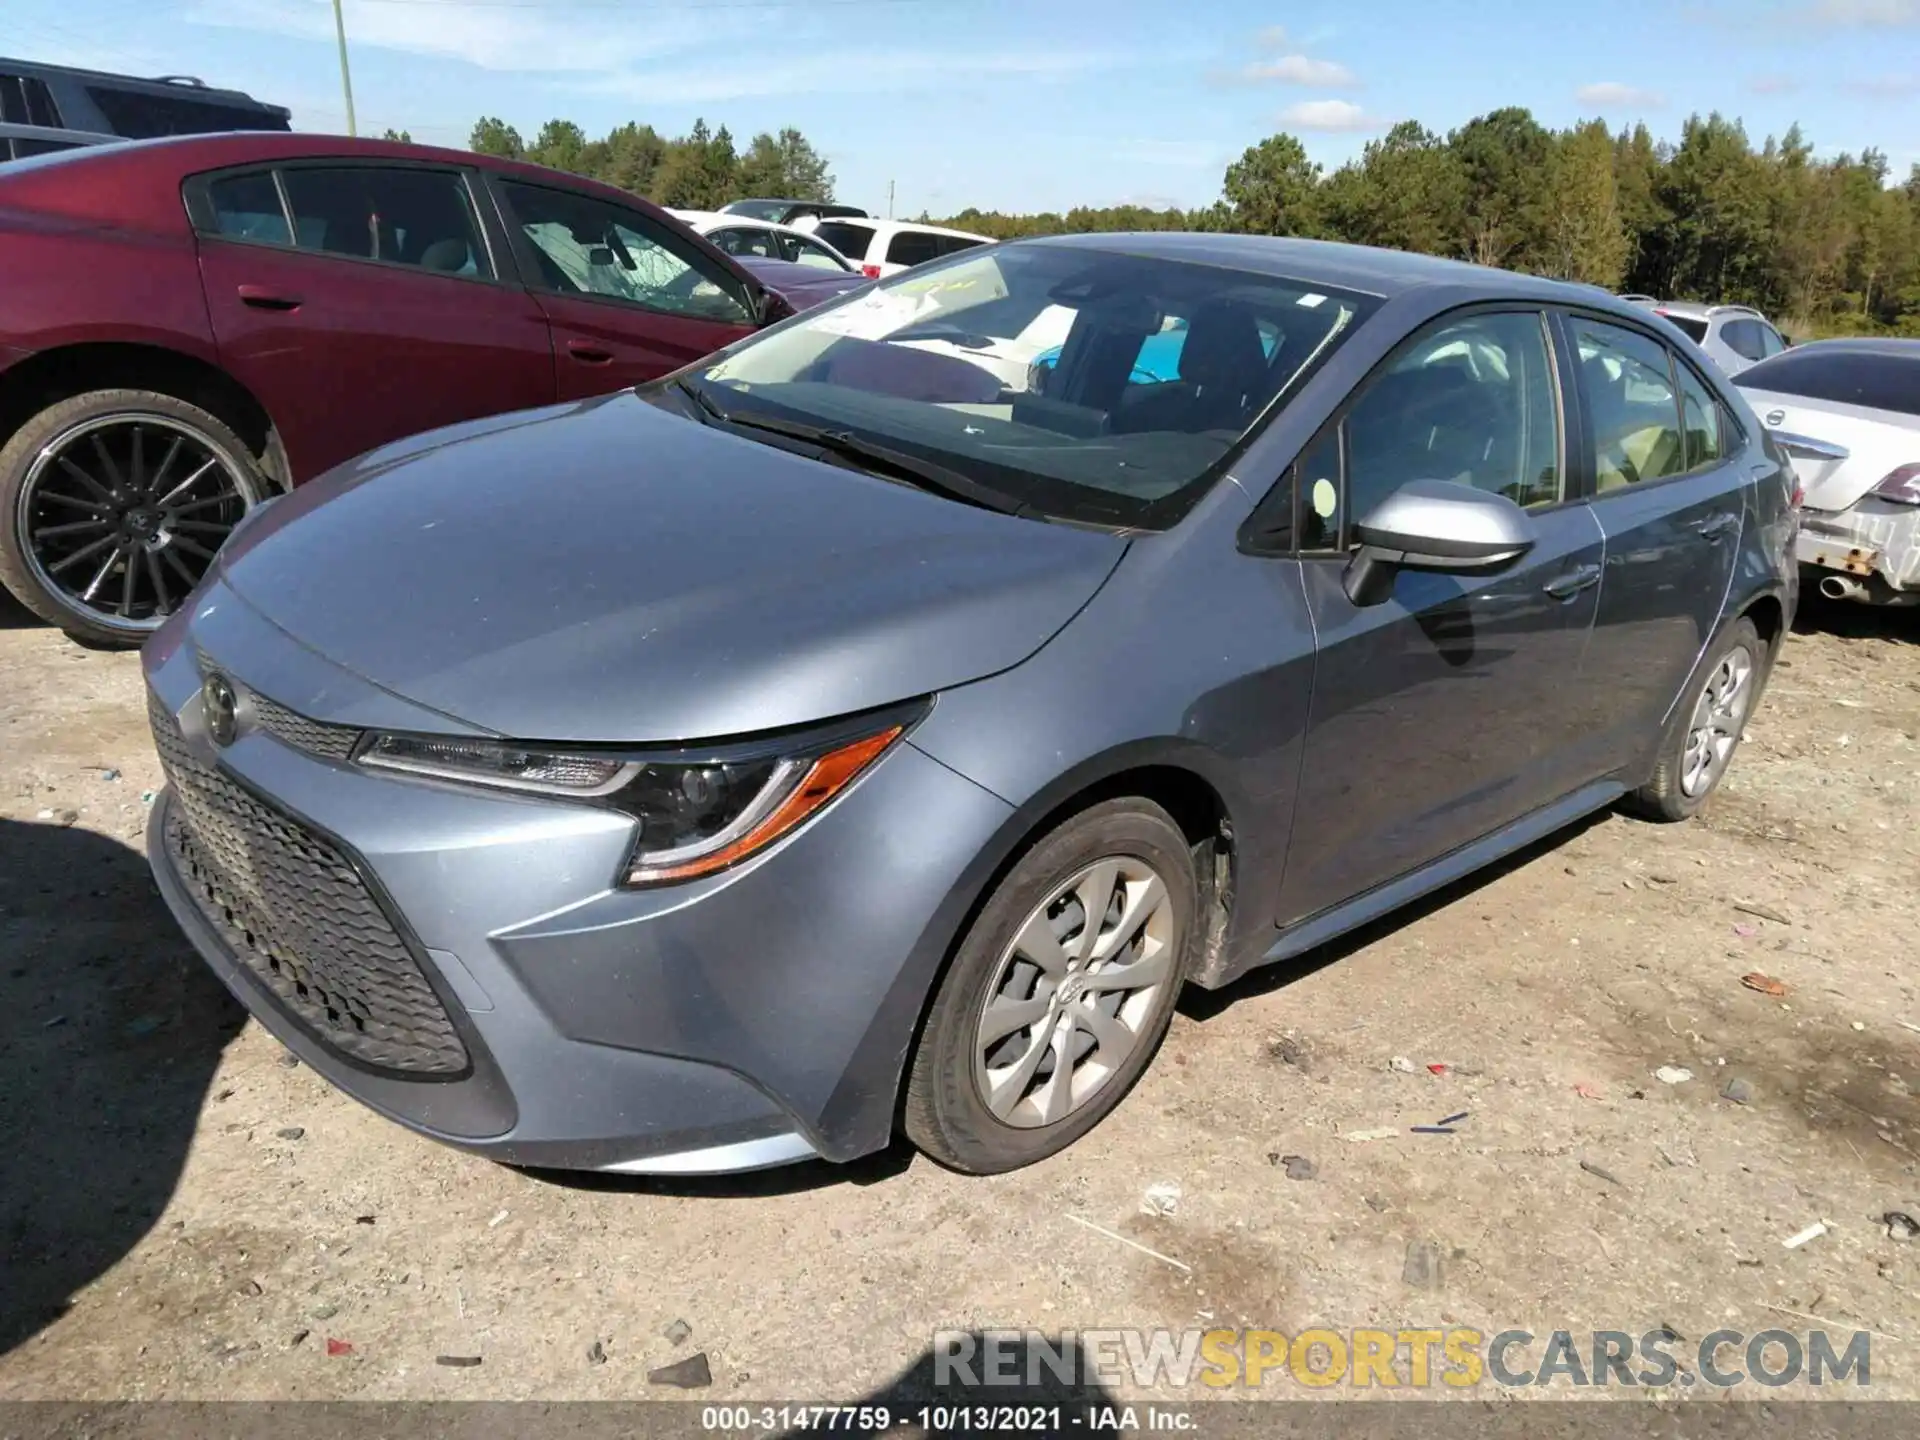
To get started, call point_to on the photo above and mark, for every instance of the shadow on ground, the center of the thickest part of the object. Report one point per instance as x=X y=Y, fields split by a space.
x=1851 y=621
x=982 y=1384
x=110 y=1030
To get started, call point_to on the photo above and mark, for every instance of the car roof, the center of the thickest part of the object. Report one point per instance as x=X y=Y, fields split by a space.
x=1860 y=345
x=893 y=227
x=1362 y=268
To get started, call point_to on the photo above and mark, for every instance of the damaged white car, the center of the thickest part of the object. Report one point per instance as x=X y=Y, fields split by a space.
x=1848 y=412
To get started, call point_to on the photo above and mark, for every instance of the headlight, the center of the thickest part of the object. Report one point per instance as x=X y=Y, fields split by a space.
x=698 y=812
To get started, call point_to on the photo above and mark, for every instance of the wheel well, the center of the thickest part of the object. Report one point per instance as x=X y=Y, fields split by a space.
x=1770 y=619
x=55 y=375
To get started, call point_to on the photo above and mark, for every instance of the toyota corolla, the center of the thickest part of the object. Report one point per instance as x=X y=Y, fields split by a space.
x=833 y=741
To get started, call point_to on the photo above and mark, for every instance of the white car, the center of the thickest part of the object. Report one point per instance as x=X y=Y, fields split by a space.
x=883 y=247
x=1848 y=413
x=1733 y=336
x=743 y=235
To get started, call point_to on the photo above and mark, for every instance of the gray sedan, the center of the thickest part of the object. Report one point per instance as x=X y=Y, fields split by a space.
x=834 y=740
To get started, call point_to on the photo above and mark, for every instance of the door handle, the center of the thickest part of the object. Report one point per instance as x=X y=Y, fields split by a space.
x=1719 y=526
x=588 y=353
x=1565 y=587
x=261 y=298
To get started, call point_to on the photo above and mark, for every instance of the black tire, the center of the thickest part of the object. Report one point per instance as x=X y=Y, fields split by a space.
x=946 y=1114
x=28 y=579
x=1665 y=796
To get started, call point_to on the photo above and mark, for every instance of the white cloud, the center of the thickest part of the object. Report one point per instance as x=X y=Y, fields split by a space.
x=491 y=37
x=1612 y=95
x=1859 y=14
x=864 y=71
x=1885 y=87
x=1341 y=116
x=1302 y=70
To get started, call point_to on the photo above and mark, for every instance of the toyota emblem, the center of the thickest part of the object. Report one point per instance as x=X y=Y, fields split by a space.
x=1774 y=417
x=222 y=708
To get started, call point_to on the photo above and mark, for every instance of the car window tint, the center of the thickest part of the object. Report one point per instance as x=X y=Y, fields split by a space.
x=403 y=216
x=26 y=101
x=849 y=239
x=1743 y=338
x=1694 y=330
x=140 y=115
x=1470 y=401
x=954 y=244
x=1701 y=414
x=1633 y=415
x=585 y=246
x=247 y=207
x=1877 y=379
x=912 y=247
x=746 y=240
x=1770 y=341
x=25 y=149
x=805 y=252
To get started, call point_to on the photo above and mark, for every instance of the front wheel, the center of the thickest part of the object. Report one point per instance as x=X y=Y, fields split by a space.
x=1706 y=727
x=1060 y=993
x=112 y=506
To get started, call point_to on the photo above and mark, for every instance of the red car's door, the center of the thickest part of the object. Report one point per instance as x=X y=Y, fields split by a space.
x=360 y=304
x=628 y=297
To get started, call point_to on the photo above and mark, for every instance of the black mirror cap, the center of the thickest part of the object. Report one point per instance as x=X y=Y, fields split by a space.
x=770 y=305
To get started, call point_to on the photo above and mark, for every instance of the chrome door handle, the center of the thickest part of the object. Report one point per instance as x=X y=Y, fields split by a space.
x=1565 y=587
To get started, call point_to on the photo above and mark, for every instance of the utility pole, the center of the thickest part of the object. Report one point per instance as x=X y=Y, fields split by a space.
x=346 y=80
x=889 y=185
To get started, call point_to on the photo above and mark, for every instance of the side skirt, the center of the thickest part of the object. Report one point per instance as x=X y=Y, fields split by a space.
x=1456 y=865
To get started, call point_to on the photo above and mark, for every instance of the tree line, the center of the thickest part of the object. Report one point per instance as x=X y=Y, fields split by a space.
x=701 y=170
x=1823 y=244
x=1827 y=245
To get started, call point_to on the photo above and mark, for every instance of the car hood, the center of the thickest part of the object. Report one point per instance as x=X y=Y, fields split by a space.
x=610 y=571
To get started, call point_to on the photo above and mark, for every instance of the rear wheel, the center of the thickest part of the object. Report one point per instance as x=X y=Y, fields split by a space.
x=1706 y=726
x=112 y=506
x=1059 y=995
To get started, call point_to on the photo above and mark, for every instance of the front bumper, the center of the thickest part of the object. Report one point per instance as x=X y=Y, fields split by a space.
x=752 y=1018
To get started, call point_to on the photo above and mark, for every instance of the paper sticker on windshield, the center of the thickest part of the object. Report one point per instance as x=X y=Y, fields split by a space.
x=1326 y=499
x=1310 y=300
x=873 y=316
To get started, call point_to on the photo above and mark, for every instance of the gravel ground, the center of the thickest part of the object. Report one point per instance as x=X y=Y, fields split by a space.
x=184 y=1214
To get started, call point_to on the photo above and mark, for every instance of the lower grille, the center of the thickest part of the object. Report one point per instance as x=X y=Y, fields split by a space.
x=296 y=913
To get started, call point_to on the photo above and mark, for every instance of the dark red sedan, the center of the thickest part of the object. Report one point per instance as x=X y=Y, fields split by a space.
x=190 y=326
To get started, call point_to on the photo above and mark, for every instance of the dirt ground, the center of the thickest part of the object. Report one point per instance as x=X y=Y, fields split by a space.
x=185 y=1215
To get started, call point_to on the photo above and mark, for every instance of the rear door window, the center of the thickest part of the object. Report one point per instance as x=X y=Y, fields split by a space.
x=247 y=207
x=26 y=101
x=746 y=240
x=1743 y=338
x=913 y=247
x=417 y=217
x=1633 y=411
x=802 y=251
x=1700 y=419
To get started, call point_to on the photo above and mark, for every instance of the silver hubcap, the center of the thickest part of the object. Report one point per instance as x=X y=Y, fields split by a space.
x=1717 y=721
x=121 y=515
x=1073 y=991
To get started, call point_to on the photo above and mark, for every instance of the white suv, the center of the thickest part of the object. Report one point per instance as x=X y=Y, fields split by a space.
x=882 y=247
x=1734 y=336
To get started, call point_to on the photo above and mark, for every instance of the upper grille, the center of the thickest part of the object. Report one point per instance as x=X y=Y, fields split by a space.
x=296 y=913
x=328 y=742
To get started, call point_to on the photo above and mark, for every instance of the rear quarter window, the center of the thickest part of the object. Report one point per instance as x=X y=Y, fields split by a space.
x=1879 y=381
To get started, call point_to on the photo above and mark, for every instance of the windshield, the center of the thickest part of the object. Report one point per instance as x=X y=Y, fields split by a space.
x=1081 y=383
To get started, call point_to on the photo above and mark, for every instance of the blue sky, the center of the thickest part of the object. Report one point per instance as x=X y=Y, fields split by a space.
x=1028 y=104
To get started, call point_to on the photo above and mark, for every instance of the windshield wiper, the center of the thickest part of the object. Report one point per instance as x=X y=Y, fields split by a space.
x=922 y=474
x=699 y=397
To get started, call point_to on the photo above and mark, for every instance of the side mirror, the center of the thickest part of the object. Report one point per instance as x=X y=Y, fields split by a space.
x=769 y=306
x=1434 y=525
